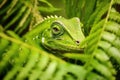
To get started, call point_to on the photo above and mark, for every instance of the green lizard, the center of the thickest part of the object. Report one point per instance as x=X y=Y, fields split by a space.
x=57 y=34
x=54 y=35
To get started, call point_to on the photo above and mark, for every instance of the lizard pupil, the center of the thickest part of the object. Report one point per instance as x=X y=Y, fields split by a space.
x=55 y=29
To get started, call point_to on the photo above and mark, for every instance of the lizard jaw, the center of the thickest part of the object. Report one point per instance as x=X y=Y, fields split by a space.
x=56 y=46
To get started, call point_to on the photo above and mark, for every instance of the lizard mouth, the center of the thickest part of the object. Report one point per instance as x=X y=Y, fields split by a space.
x=58 y=46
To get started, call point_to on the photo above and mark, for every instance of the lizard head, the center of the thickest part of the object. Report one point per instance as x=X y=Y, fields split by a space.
x=64 y=35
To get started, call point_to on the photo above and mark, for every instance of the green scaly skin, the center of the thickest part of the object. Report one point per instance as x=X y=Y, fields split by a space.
x=57 y=34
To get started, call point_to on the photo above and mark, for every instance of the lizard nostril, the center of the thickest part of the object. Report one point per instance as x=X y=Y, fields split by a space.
x=77 y=42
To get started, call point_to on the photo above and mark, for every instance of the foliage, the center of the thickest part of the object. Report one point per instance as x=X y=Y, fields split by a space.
x=102 y=30
x=26 y=13
x=101 y=56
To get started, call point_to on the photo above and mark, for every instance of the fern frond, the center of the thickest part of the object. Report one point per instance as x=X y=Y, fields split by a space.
x=96 y=15
x=25 y=61
x=114 y=15
x=21 y=15
x=105 y=42
x=102 y=43
x=48 y=8
x=17 y=15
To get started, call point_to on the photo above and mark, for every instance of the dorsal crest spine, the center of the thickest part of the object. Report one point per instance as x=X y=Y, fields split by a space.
x=47 y=18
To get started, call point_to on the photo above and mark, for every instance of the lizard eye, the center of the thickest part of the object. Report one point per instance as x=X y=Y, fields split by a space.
x=56 y=29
